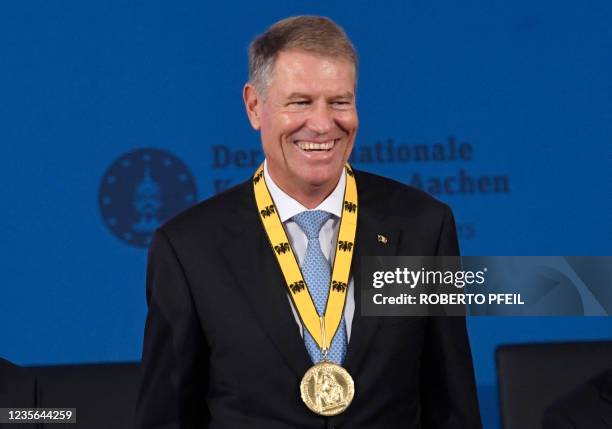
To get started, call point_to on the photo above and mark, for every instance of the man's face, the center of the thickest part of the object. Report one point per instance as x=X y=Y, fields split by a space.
x=308 y=120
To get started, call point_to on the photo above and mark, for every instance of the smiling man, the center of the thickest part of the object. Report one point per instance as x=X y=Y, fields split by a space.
x=254 y=295
x=307 y=116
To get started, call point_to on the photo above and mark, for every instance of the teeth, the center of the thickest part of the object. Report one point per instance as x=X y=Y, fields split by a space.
x=304 y=145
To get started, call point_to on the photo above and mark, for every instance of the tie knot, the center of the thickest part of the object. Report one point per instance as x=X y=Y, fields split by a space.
x=311 y=222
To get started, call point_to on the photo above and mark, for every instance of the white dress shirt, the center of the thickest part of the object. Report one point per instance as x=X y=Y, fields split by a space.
x=287 y=207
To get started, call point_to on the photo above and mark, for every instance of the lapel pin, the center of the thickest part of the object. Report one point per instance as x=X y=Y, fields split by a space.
x=382 y=239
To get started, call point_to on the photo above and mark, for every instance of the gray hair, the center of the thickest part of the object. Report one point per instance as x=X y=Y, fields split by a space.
x=316 y=34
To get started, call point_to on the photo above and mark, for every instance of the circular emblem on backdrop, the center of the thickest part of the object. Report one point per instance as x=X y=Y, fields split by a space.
x=141 y=190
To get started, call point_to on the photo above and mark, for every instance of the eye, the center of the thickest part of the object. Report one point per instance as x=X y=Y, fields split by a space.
x=341 y=104
x=300 y=103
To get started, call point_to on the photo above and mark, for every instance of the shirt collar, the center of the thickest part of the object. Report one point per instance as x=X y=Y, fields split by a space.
x=287 y=207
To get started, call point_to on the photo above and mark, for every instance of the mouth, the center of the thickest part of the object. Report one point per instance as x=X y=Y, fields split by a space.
x=310 y=146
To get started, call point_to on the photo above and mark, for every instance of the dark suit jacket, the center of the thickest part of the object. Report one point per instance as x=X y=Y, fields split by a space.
x=587 y=407
x=222 y=348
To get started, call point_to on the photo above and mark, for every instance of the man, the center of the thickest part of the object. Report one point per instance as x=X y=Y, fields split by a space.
x=230 y=335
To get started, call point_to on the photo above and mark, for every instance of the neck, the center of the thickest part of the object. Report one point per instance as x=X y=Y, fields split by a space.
x=310 y=200
x=310 y=196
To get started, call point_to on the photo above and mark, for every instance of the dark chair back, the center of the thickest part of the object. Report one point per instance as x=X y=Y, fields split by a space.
x=103 y=394
x=532 y=376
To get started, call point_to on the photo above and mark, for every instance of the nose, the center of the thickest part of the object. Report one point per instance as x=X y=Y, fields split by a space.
x=321 y=118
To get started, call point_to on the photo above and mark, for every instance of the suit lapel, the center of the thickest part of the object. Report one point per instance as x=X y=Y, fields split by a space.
x=371 y=224
x=260 y=278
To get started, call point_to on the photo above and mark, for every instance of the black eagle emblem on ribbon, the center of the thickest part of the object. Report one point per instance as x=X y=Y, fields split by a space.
x=297 y=286
x=349 y=171
x=345 y=246
x=338 y=286
x=282 y=248
x=258 y=177
x=350 y=207
x=268 y=211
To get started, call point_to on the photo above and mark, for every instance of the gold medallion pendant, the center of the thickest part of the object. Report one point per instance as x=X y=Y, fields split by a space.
x=327 y=388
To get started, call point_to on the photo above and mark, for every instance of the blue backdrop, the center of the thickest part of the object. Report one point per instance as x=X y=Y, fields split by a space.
x=503 y=110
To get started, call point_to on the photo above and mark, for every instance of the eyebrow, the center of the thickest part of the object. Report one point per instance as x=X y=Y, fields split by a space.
x=294 y=95
x=347 y=94
x=297 y=95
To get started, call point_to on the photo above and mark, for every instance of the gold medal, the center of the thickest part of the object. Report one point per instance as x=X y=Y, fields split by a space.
x=327 y=389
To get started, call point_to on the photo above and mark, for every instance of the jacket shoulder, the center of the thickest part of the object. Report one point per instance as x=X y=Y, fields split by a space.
x=394 y=196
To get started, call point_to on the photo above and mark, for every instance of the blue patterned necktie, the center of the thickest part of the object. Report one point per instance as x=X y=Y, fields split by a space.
x=316 y=272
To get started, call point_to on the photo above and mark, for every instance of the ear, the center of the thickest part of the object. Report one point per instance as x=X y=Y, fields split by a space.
x=252 y=103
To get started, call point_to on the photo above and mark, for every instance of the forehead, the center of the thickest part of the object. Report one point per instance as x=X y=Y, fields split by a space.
x=299 y=71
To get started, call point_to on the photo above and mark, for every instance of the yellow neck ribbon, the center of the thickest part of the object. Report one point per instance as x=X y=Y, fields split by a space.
x=297 y=288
